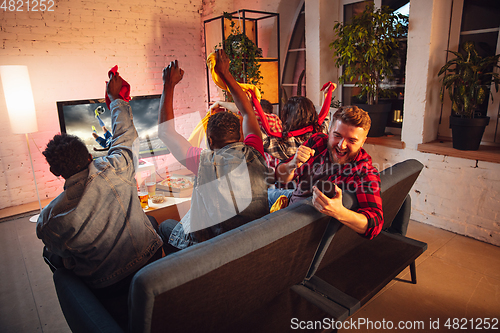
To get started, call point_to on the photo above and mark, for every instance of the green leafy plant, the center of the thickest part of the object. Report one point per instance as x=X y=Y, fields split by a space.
x=368 y=48
x=468 y=78
x=335 y=103
x=243 y=54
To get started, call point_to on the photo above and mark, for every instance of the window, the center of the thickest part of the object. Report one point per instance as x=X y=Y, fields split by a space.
x=477 y=21
x=393 y=90
x=293 y=81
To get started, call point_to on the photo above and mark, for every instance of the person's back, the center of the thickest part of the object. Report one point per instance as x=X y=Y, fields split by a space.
x=298 y=115
x=97 y=224
x=230 y=190
x=230 y=187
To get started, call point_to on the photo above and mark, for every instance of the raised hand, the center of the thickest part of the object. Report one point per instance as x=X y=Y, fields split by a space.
x=302 y=154
x=114 y=86
x=172 y=74
x=221 y=63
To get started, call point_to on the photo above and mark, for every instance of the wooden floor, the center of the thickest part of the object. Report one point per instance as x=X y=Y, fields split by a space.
x=21 y=209
x=458 y=277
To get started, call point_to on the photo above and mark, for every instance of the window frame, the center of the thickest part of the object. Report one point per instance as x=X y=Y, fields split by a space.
x=491 y=133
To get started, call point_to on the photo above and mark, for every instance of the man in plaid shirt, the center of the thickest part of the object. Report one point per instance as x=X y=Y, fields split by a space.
x=338 y=158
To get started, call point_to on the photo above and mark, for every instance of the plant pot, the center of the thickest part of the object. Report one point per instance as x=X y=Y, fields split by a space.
x=378 y=114
x=467 y=132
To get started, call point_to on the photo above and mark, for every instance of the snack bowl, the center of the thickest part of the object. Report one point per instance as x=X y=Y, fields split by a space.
x=158 y=198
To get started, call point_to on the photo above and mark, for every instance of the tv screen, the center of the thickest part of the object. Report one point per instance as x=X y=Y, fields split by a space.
x=79 y=118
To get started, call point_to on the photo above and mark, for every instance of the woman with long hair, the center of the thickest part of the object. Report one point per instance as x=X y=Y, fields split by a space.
x=299 y=120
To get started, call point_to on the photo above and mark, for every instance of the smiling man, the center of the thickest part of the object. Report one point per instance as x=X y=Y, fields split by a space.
x=338 y=158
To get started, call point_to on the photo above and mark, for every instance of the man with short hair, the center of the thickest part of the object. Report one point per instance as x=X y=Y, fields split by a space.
x=230 y=187
x=339 y=158
x=97 y=225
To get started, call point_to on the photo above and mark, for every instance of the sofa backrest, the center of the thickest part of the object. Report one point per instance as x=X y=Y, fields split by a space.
x=215 y=284
x=395 y=184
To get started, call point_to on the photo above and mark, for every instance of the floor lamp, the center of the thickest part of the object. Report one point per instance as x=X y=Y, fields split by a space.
x=21 y=108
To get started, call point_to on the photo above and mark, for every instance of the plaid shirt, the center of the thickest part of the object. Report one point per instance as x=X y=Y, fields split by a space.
x=283 y=149
x=359 y=177
x=273 y=120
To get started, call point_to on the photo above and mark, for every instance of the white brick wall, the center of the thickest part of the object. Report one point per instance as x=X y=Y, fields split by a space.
x=455 y=194
x=69 y=52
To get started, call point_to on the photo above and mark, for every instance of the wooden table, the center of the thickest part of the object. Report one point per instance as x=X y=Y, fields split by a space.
x=171 y=208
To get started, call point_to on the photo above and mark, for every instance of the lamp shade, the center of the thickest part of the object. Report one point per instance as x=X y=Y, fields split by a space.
x=19 y=99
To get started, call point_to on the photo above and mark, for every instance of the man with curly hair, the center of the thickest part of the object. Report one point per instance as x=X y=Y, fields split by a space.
x=230 y=187
x=96 y=227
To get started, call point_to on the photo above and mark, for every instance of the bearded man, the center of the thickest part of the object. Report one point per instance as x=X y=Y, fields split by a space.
x=339 y=160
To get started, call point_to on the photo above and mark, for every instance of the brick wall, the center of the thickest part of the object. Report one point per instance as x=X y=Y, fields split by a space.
x=454 y=194
x=68 y=52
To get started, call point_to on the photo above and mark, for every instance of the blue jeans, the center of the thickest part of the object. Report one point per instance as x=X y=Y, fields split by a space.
x=164 y=230
x=274 y=193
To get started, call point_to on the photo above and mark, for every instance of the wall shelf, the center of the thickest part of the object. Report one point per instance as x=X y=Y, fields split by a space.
x=260 y=27
x=486 y=152
x=392 y=141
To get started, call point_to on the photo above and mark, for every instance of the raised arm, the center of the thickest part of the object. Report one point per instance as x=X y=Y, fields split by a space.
x=114 y=86
x=250 y=124
x=178 y=145
x=122 y=125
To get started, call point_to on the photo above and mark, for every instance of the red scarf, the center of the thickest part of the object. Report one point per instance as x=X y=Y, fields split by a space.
x=322 y=115
x=124 y=91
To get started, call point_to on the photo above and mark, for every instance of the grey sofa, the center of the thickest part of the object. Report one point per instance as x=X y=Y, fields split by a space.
x=294 y=263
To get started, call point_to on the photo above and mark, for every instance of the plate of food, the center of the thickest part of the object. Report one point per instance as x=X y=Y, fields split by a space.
x=176 y=184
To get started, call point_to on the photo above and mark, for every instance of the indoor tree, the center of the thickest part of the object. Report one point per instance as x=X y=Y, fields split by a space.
x=368 y=48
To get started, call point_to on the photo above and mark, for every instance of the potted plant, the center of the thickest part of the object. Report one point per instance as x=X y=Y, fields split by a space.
x=368 y=49
x=243 y=55
x=468 y=78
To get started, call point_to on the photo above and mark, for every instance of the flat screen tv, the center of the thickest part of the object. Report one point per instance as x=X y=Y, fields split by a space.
x=79 y=118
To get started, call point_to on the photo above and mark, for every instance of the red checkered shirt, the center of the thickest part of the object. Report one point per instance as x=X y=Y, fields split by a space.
x=273 y=120
x=359 y=177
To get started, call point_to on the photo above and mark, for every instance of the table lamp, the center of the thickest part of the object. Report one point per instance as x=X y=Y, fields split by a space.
x=21 y=108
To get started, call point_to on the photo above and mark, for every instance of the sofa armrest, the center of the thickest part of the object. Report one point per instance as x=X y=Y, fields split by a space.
x=84 y=313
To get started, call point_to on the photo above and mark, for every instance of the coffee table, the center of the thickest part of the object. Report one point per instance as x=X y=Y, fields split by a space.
x=171 y=208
